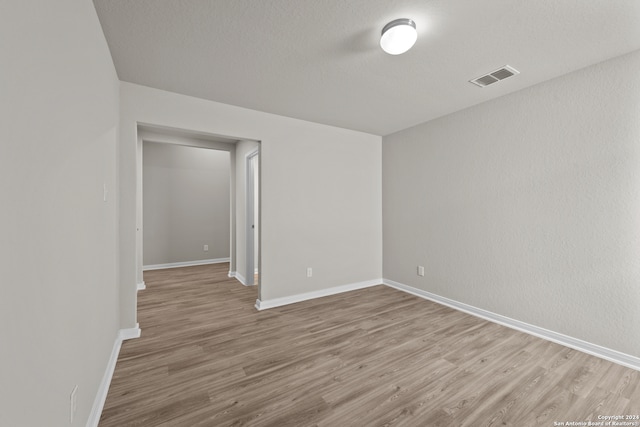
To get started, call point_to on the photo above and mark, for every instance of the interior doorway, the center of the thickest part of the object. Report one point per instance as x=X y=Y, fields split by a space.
x=239 y=149
x=252 y=221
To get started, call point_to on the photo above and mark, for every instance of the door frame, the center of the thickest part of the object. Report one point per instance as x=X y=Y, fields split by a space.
x=250 y=215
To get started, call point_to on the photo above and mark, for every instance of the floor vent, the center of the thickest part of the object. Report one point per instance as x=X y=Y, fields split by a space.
x=495 y=76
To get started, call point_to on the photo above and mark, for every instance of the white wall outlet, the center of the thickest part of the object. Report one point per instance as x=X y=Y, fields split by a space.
x=420 y=270
x=206 y=248
x=104 y=192
x=309 y=272
x=73 y=403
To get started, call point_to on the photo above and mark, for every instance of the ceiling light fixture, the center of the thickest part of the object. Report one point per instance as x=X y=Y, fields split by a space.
x=398 y=36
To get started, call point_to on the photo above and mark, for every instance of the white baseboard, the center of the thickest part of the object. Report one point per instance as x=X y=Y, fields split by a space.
x=577 y=344
x=130 y=333
x=101 y=395
x=185 y=264
x=142 y=286
x=277 y=302
x=240 y=278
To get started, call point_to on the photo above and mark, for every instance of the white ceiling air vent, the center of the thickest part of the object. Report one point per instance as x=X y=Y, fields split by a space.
x=495 y=76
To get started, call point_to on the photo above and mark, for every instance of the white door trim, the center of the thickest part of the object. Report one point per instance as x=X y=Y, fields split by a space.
x=250 y=215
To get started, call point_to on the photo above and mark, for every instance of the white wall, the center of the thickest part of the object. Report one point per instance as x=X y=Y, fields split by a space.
x=58 y=291
x=527 y=206
x=165 y=135
x=186 y=203
x=321 y=197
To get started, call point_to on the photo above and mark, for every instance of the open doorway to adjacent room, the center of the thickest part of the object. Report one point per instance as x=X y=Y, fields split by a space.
x=184 y=230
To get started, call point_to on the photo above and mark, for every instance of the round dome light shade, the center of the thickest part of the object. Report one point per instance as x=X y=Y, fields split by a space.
x=398 y=36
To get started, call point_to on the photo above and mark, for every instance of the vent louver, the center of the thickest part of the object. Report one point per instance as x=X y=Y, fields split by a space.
x=495 y=76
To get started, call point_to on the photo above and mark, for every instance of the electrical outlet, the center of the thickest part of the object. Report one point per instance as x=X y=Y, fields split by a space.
x=73 y=403
x=309 y=272
x=206 y=248
x=420 y=270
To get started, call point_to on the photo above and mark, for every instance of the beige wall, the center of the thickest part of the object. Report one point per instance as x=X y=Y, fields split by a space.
x=527 y=206
x=58 y=130
x=186 y=203
x=321 y=197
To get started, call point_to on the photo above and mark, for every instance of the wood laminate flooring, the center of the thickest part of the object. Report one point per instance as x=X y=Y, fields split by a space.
x=372 y=357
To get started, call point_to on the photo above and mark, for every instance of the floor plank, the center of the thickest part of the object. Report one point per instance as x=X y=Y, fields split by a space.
x=372 y=357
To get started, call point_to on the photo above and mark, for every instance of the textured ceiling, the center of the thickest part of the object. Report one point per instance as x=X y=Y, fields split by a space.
x=319 y=60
